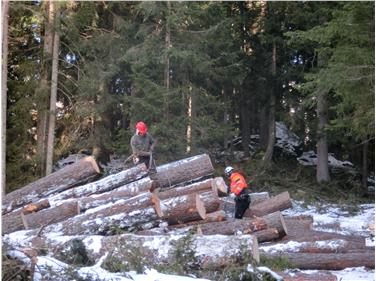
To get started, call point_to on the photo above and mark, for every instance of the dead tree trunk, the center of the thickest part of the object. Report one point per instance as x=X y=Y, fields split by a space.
x=188 y=169
x=68 y=177
x=277 y=203
x=106 y=184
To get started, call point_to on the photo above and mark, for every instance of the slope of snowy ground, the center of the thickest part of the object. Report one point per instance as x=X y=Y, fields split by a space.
x=322 y=216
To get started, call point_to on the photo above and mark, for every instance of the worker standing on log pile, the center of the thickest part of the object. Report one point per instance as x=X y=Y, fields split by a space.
x=143 y=144
x=238 y=190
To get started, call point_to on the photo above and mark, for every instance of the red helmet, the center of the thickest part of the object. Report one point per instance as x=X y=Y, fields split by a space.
x=141 y=127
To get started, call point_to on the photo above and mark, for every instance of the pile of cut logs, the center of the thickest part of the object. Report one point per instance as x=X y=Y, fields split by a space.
x=181 y=198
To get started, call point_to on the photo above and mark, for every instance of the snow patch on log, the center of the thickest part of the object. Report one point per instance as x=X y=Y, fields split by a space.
x=294 y=246
x=102 y=185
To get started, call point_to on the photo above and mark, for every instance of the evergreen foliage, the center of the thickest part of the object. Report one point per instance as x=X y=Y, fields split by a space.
x=115 y=59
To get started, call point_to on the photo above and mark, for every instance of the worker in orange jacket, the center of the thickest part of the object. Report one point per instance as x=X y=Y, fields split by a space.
x=239 y=190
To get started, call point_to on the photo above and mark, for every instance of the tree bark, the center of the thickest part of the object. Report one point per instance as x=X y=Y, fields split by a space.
x=4 y=90
x=106 y=184
x=300 y=276
x=20 y=220
x=185 y=170
x=42 y=91
x=337 y=261
x=67 y=177
x=365 y=167
x=182 y=209
x=258 y=197
x=196 y=187
x=271 y=122
x=53 y=97
x=322 y=171
x=167 y=62
x=266 y=235
x=135 y=213
x=191 y=251
x=211 y=202
x=51 y=215
x=276 y=220
x=232 y=227
x=245 y=128
x=279 y=202
x=124 y=192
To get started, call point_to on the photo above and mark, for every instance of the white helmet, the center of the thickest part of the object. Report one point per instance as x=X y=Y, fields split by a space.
x=228 y=171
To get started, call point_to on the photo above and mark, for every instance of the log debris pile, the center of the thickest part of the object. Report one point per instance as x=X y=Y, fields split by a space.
x=182 y=206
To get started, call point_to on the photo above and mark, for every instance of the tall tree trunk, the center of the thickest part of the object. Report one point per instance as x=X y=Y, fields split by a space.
x=322 y=171
x=365 y=167
x=42 y=91
x=271 y=136
x=167 y=61
x=54 y=80
x=4 y=77
x=263 y=123
x=245 y=128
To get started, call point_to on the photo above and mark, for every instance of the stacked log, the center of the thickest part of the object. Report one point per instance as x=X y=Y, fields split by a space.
x=180 y=206
x=277 y=203
x=70 y=176
x=185 y=170
x=205 y=252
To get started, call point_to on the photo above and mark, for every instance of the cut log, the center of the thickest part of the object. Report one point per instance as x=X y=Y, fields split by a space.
x=312 y=276
x=220 y=186
x=211 y=201
x=181 y=209
x=258 y=197
x=135 y=213
x=325 y=246
x=70 y=176
x=277 y=203
x=191 y=251
x=51 y=215
x=233 y=226
x=18 y=220
x=276 y=220
x=266 y=235
x=35 y=207
x=185 y=170
x=197 y=187
x=13 y=221
x=336 y=261
x=106 y=184
x=124 y=192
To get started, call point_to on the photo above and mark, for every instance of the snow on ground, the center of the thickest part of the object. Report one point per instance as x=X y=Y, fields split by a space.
x=322 y=216
x=332 y=214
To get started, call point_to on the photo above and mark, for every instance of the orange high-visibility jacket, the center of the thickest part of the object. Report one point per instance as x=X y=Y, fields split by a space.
x=238 y=183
